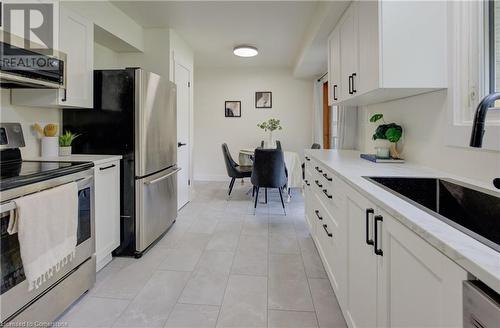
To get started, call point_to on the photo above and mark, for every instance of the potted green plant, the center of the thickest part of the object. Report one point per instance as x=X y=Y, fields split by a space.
x=391 y=132
x=269 y=126
x=65 y=141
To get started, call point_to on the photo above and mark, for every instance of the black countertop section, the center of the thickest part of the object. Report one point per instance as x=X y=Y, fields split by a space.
x=17 y=174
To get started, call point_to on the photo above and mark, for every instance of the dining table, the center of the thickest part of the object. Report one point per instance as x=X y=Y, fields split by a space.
x=292 y=163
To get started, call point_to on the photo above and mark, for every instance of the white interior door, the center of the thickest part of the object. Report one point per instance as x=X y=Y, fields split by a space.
x=182 y=80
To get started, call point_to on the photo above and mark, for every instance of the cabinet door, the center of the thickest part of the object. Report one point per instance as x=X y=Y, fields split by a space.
x=348 y=52
x=334 y=74
x=107 y=210
x=418 y=286
x=367 y=78
x=361 y=296
x=76 y=39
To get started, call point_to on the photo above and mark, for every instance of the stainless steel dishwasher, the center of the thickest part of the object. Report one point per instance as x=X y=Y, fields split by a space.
x=481 y=305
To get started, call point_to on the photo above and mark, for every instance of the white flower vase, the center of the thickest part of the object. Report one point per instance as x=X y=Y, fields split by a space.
x=65 y=151
x=270 y=140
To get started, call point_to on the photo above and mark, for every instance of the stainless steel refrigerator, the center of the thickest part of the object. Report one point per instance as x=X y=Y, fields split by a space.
x=134 y=115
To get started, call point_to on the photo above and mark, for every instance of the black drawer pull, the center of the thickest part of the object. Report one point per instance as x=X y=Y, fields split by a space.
x=353 y=88
x=326 y=193
x=377 y=251
x=307 y=182
x=334 y=93
x=318 y=169
x=319 y=216
x=327 y=177
x=328 y=233
x=307 y=158
x=318 y=184
x=107 y=167
x=350 y=84
x=368 y=212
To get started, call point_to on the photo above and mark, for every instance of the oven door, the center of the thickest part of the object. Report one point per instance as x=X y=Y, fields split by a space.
x=14 y=294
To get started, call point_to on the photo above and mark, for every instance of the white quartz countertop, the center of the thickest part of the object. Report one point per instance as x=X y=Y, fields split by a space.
x=96 y=159
x=478 y=259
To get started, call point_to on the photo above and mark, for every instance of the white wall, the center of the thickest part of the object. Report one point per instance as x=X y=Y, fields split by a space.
x=424 y=119
x=27 y=116
x=292 y=104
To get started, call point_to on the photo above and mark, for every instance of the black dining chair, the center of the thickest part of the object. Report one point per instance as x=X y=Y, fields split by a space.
x=268 y=172
x=314 y=146
x=234 y=170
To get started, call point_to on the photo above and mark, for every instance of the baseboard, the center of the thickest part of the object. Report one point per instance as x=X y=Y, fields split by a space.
x=211 y=177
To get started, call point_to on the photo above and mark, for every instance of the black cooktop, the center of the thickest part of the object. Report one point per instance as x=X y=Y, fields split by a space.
x=19 y=173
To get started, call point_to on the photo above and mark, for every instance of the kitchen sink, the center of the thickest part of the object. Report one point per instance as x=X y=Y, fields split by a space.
x=472 y=210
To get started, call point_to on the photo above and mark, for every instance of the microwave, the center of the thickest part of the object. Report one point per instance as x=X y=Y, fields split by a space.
x=22 y=67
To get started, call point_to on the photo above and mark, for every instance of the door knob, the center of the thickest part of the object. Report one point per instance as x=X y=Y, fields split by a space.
x=180 y=144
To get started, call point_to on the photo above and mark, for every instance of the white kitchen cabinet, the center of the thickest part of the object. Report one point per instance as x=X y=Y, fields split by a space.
x=401 y=55
x=383 y=274
x=418 y=286
x=348 y=51
x=107 y=210
x=334 y=68
x=76 y=40
x=362 y=263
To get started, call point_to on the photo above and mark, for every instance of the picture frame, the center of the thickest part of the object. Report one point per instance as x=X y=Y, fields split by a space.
x=263 y=99
x=232 y=108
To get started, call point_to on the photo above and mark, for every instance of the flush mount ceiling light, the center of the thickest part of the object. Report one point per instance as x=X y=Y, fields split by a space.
x=245 y=51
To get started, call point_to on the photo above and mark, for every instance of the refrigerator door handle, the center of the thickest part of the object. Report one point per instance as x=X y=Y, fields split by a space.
x=162 y=177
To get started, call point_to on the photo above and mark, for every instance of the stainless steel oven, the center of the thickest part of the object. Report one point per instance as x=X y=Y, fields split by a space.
x=18 y=305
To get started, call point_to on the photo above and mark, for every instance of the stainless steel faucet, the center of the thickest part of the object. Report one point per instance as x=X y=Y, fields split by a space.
x=476 y=138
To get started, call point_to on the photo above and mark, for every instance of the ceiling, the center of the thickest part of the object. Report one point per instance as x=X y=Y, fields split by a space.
x=277 y=28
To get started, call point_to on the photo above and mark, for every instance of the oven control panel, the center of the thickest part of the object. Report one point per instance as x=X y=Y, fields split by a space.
x=11 y=136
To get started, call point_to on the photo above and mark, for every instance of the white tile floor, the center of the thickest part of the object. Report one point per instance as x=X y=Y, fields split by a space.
x=218 y=266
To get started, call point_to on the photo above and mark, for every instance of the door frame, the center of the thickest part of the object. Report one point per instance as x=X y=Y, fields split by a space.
x=190 y=118
x=327 y=119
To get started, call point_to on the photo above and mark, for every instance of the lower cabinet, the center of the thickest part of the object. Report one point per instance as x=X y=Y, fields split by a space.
x=107 y=210
x=384 y=275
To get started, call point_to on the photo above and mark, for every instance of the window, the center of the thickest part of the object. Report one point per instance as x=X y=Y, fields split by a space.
x=474 y=68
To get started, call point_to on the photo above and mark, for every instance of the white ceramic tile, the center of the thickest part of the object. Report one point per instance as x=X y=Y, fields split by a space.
x=193 y=316
x=250 y=263
x=151 y=307
x=286 y=267
x=224 y=241
x=327 y=308
x=245 y=302
x=282 y=243
x=215 y=262
x=93 y=312
x=292 y=319
x=180 y=259
x=293 y=295
x=204 y=288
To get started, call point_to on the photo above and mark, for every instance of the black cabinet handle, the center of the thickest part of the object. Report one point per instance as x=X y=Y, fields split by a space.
x=368 y=212
x=180 y=144
x=353 y=88
x=307 y=159
x=65 y=94
x=350 y=85
x=328 y=233
x=334 y=92
x=318 y=169
x=319 y=216
x=318 y=184
x=307 y=182
x=107 y=167
x=326 y=193
x=377 y=251
x=327 y=177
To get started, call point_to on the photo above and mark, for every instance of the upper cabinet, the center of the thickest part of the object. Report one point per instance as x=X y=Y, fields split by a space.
x=385 y=50
x=76 y=39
